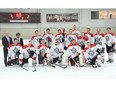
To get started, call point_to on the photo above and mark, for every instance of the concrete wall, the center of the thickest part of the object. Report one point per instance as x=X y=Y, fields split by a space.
x=27 y=30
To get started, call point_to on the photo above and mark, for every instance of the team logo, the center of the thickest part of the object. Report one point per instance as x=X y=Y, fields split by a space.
x=28 y=51
x=42 y=51
x=15 y=50
x=97 y=40
x=107 y=38
x=73 y=50
x=81 y=42
x=70 y=38
x=56 y=50
x=91 y=53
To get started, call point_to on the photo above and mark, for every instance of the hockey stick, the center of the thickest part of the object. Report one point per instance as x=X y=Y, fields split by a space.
x=23 y=68
x=76 y=63
x=62 y=66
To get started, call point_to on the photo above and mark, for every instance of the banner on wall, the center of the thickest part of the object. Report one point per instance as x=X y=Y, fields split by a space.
x=71 y=17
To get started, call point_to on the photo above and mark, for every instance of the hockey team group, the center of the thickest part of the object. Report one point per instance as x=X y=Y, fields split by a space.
x=81 y=49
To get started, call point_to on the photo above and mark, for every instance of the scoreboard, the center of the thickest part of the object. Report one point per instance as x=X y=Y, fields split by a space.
x=19 y=17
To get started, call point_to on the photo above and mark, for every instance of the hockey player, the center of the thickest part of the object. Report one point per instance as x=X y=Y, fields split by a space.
x=15 y=53
x=56 y=52
x=76 y=31
x=70 y=37
x=90 y=35
x=48 y=37
x=29 y=52
x=59 y=36
x=110 y=44
x=99 y=38
x=82 y=40
x=92 y=54
x=36 y=39
x=42 y=52
x=74 y=53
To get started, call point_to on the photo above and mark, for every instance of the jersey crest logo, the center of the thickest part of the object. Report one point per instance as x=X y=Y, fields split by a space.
x=15 y=50
x=73 y=50
x=42 y=51
x=70 y=38
x=91 y=53
x=56 y=50
x=107 y=38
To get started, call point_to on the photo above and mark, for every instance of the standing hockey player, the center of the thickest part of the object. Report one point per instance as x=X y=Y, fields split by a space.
x=90 y=35
x=74 y=53
x=92 y=54
x=29 y=52
x=70 y=37
x=76 y=31
x=15 y=52
x=99 y=38
x=110 y=44
x=48 y=37
x=36 y=39
x=58 y=36
x=82 y=40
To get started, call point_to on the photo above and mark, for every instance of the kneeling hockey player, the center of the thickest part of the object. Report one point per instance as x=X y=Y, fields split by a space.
x=15 y=53
x=42 y=52
x=75 y=53
x=29 y=52
x=56 y=52
x=92 y=54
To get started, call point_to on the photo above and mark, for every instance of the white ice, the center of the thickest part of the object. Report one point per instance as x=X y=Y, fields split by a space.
x=106 y=71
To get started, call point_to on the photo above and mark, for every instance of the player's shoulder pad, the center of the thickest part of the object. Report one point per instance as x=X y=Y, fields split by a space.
x=11 y=45
x=112 y=33
x=79 y=37
x=25 y=46
x=85 y=49
x=19 y=45
x=93 y=45
x=102 y=35
x=32 y=37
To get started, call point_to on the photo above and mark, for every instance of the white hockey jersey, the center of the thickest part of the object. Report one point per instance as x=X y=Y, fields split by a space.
x=27 y=49
x=56 y=50
x=92 y=51
x=99 y=39
x=48 y=38
x=58 y=37
x=91 y=37
x=76 y=32
x=110 y=38
x=83 y=40
x=73 y=50
x=69 y=38
x=36 y=40
x=42 y=49
x=13 y=49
